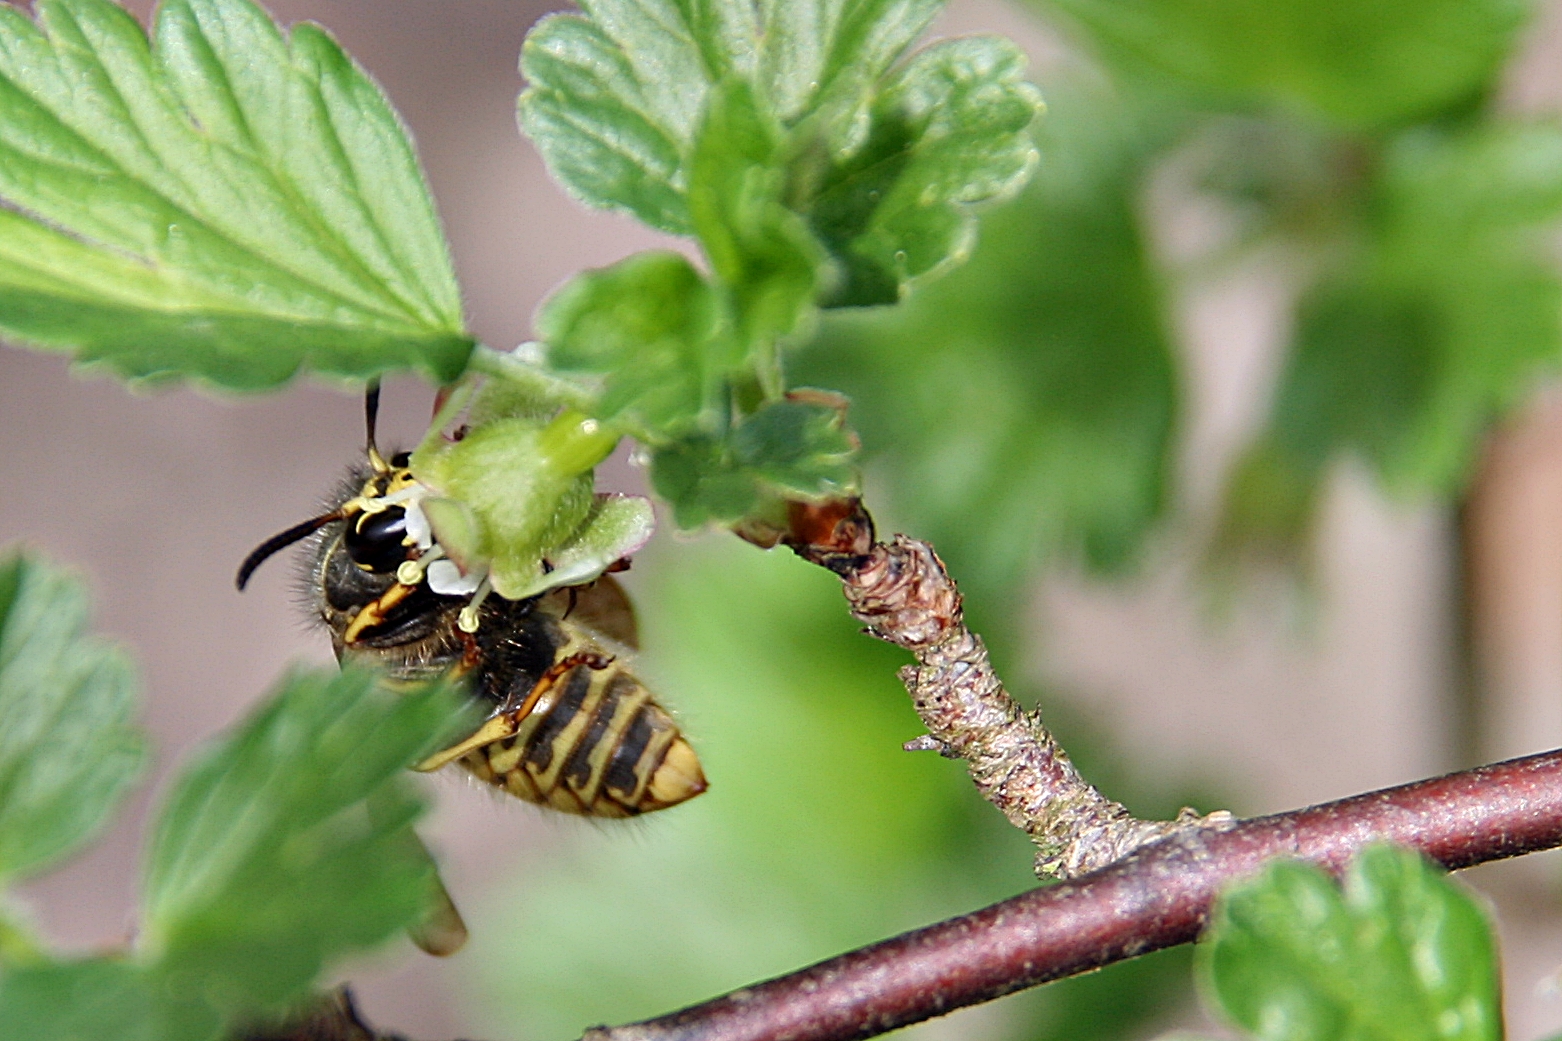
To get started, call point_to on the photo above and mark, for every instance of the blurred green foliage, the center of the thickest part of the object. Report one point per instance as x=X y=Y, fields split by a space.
x=1404 y=953
x=69 y=746
x=286 y=845
x=1365 y=142
x=1026 y=404
x=1357 y=64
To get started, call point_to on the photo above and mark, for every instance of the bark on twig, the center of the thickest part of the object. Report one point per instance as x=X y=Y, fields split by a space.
x=903 y=594
x=1158 y=897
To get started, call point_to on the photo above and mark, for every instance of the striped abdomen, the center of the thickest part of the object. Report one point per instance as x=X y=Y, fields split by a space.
x=595 y=744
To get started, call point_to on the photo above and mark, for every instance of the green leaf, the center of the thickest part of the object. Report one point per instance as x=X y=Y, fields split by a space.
x=229 y=204
x=825 y=57
x=103 y=999
x=1404 y=954
x=699 y=479
x=949 y=130
x=716 y=119
x=595 y=122
x=800 y=448
x=653 y=328
x=69 y=747
x=1446 y=314
x=762 y=254
x=787 y=450
x=1024 y=405
x=615 y=96
x=267 y=862
x=1355 y=63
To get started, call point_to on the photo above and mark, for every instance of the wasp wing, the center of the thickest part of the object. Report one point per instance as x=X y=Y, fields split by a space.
x=602 y=609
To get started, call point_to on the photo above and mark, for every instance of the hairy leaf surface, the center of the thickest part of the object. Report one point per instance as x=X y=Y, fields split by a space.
x=795 y=449
x=223 y=202
x=712 y=119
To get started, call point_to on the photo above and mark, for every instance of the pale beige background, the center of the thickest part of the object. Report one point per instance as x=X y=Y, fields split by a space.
x=156 y=500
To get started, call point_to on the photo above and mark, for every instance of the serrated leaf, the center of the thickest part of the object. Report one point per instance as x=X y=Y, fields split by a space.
x=591 y=119
x=786 y=450
x=715 y=119
x=266 y=861
x=653 y=327
x=799 y=448
x=1404 y=954
x=697 y=478
x=69 y=747
x=1025 y=404
x=229 y=205
x=762 y=254
x=613 y=97
x=949 y=130
x=1356 y=63
x=825 y=57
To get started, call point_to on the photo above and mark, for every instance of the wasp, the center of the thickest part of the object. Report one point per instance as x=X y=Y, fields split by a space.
x=567 y=726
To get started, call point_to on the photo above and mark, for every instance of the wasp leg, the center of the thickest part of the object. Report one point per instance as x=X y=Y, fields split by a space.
x=507 y=722
x=551 y=676
x=374 y=613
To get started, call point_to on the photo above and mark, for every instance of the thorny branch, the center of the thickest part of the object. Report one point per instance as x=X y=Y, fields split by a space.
x=902 y=593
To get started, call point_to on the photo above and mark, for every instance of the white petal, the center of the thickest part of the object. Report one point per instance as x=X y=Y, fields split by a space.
x=446 y=579
x=418 y=526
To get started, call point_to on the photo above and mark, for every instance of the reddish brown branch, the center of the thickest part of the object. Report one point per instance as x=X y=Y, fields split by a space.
x=1158 y=897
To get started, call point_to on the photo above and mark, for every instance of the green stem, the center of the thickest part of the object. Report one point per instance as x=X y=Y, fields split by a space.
x=544 y=384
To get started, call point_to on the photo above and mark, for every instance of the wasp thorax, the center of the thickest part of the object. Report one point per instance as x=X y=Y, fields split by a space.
x=377 y=541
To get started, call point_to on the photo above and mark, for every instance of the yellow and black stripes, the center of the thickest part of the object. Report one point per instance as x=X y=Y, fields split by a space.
x=596 y=743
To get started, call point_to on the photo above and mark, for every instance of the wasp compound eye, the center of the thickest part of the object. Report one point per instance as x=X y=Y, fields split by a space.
x=375 y=540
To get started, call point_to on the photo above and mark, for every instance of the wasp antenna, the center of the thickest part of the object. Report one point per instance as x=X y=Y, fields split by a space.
x=281 y=541
x=371 y=415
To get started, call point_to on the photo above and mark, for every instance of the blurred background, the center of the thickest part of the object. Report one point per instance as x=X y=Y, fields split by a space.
x=1240 y=430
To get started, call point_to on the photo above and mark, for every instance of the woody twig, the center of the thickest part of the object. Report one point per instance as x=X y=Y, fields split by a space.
x=902 y=593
